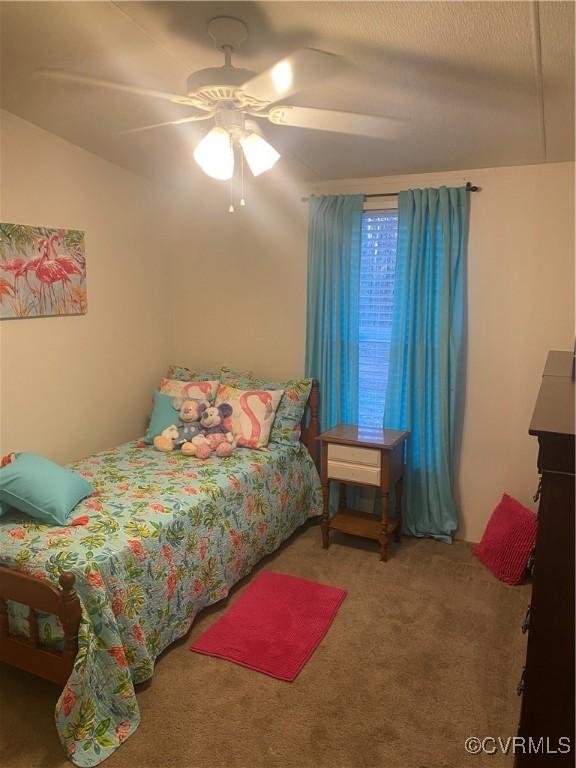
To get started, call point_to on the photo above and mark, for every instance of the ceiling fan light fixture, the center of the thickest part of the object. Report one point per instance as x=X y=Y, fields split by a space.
x=215 y=154
x=259 y=154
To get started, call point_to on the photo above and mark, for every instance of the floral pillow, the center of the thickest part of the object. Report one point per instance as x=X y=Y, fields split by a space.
x=194 y=390
x=224 y=371
x=181 y=373
x=286 y=429
x=253 y=413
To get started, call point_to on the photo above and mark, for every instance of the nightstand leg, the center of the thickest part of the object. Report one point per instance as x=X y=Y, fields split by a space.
x=384 y=528
x=326 y=516
x=398 y=531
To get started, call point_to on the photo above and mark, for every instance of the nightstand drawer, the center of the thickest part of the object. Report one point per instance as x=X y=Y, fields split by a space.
x=353 y=473
x=367 y=456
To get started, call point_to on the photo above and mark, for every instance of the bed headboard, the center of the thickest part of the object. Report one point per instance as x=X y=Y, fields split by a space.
x=311 y=422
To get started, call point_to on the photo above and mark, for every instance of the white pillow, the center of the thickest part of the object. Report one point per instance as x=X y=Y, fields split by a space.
x=191 y=390
x=253 y=412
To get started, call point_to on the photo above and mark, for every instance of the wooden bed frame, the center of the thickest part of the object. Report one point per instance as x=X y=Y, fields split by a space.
x=28 y=653
x=311 y=424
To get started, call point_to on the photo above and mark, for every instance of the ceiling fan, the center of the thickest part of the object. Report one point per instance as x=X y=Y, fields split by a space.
x=232 y=97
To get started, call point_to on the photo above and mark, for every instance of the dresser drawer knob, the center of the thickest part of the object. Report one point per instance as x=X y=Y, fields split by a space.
x=531 y=562
x=520 y=686
x=526 y=622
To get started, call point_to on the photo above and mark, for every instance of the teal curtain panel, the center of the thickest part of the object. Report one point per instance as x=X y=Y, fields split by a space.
x=332 y=325
x=426 y=355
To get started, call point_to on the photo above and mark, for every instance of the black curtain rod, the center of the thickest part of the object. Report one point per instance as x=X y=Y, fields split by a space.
x=469 y=188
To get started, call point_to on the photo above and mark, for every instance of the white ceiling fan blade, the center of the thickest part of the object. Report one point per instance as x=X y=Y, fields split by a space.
x=72 y=77
x=337 y=122
x=183 y=121
x=302 y=69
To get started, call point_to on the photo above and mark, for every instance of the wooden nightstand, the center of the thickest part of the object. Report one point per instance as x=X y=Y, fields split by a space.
x=363 y=456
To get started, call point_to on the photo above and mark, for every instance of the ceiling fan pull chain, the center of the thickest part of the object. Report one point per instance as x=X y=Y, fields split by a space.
x=231 y=206
x=242 y=200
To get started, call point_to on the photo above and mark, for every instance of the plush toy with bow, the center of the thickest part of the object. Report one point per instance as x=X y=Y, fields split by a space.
x=188 y=427
x=216 y=436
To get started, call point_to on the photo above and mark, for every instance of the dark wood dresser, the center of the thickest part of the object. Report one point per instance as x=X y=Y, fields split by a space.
x=548 y=680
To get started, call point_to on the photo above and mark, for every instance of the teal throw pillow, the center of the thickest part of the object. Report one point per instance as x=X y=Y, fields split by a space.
x=41 y=489
x=163 y=415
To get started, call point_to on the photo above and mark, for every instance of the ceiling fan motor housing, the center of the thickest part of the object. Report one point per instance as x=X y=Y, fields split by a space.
x=221 y=86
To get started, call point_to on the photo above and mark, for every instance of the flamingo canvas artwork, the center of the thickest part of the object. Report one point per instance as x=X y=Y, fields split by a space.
x=42 y=271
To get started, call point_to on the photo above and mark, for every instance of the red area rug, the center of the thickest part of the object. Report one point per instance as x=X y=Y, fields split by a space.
x=275 y=626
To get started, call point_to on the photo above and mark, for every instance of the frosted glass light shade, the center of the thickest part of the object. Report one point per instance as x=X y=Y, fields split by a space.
x=259 y=155
x=215 y=155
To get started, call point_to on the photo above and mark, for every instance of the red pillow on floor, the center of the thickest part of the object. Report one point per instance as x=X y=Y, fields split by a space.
x=508 y=540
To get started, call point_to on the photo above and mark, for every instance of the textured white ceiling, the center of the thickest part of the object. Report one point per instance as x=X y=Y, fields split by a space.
x=465 y=76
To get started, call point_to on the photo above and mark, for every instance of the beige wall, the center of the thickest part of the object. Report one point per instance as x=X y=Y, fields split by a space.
x=520 y=304
x=242 y=281
x=73 y=385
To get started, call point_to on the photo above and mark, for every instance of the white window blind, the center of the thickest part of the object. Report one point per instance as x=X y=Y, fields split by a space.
x=377 y=268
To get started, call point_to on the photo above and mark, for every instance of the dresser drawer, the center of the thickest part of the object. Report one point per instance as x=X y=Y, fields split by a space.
x=556 y=453
x=353 y=473
x=368 y=456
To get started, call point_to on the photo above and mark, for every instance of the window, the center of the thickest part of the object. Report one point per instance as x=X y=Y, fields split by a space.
x=377 y=267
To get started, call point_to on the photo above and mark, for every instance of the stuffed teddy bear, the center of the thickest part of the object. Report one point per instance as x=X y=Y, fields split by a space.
x=188 y=427
x=216 y=436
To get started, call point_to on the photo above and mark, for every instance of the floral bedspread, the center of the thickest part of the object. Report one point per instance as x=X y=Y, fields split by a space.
x=163 y=537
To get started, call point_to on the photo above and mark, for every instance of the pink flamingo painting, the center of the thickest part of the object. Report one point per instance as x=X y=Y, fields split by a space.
x=254 y=440
x=5 y=288
x=47 y=269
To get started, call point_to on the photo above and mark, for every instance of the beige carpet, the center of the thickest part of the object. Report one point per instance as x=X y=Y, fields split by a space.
x=425 y=651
